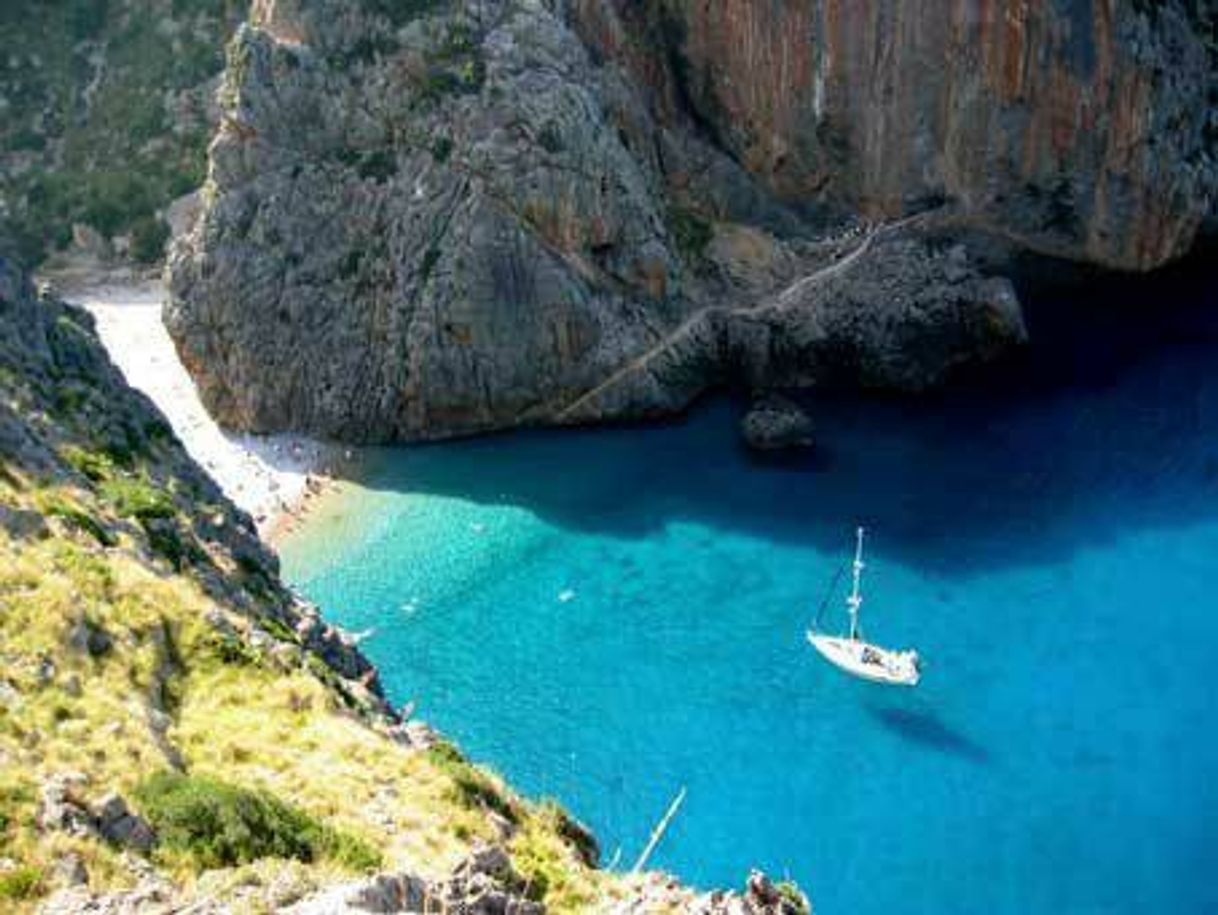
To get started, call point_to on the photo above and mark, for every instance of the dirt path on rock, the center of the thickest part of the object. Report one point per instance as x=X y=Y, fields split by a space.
x=783 y=300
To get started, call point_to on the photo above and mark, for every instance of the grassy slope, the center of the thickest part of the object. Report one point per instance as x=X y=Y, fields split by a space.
x=96 y=463
x=247 y=723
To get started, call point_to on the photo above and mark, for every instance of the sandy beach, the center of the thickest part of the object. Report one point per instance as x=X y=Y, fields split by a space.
x=273 y=477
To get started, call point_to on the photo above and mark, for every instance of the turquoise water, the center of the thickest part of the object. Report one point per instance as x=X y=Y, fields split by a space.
x=606 y=616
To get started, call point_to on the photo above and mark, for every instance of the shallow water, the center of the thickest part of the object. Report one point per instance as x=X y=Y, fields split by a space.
x=606 y=616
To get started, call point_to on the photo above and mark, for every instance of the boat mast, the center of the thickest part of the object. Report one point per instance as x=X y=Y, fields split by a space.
x=855 y=600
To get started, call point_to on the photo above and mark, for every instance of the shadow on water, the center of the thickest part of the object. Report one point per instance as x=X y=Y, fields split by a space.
x=926 y=729
x=1106 y=424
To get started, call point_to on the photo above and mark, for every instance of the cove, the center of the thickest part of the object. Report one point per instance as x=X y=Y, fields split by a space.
x=607 y=615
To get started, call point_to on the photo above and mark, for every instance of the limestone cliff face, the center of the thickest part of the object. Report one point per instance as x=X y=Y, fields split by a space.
x=1079 y=128
x=446 y=217
x=415 y=227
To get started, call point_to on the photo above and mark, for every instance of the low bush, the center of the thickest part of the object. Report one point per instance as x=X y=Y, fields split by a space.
x=691 y=232
x=215 y=824
x=81 y=520
x=572 y=831
x=790 y=891
x=20 y=883
x=138 y=499
x=148 y=237
x=96 y=465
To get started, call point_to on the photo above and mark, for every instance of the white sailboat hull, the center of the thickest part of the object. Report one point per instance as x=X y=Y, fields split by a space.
x=870 y=662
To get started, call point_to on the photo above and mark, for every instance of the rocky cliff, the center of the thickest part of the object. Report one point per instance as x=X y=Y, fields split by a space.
x=442 y=217
x=1076 y=128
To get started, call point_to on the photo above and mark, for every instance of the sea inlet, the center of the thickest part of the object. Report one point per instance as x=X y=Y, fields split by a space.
x=608 y=615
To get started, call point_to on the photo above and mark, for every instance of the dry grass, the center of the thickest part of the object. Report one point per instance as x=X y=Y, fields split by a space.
x=248 y=724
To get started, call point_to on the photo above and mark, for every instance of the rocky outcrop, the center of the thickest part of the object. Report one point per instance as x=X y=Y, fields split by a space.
x=182 y=660
x=896 y=313
x=64 y=810
x=761 y=896
x=473 y=216
x=483 y=884
x=458 y=239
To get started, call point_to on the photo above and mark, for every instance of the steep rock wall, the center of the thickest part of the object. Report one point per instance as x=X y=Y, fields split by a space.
x=1079 y=129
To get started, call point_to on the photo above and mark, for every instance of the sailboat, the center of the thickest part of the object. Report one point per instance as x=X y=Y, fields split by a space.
x=861 y=658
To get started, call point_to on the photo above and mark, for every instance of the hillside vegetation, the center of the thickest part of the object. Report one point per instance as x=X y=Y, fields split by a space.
x=149 y=652
x=105 y=110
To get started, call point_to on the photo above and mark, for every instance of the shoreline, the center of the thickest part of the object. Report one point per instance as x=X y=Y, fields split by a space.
x=276 y=479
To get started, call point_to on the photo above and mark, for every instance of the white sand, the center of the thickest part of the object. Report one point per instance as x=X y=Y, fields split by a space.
x=268 y=476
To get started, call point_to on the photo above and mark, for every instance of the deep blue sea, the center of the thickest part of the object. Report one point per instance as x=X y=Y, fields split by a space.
x=606 y=616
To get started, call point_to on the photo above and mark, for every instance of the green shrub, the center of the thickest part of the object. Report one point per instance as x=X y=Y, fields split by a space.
x=165 y=541
x=138 y=499
x=399 y=12
x=96 y=465
x=81 y=520
x=441 y=149
x=279 y=629
x=220 y=825
x=379 y=165
x=550 y=138
x=691 y=232
x=572 y=831
x=445 y=754
x=21 y=883
x=790 y=891
x=148 y=238
x=234 y=650
x=430 y=258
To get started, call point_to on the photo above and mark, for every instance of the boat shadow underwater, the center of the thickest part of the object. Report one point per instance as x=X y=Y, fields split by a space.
x=925 y=728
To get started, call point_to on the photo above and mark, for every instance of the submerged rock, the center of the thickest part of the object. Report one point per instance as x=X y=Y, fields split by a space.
x=774 y=423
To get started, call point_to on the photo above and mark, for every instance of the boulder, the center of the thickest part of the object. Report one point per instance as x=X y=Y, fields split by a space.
x=775 y=423
x=89 y=638
x=116 y=823
x=23 y=524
